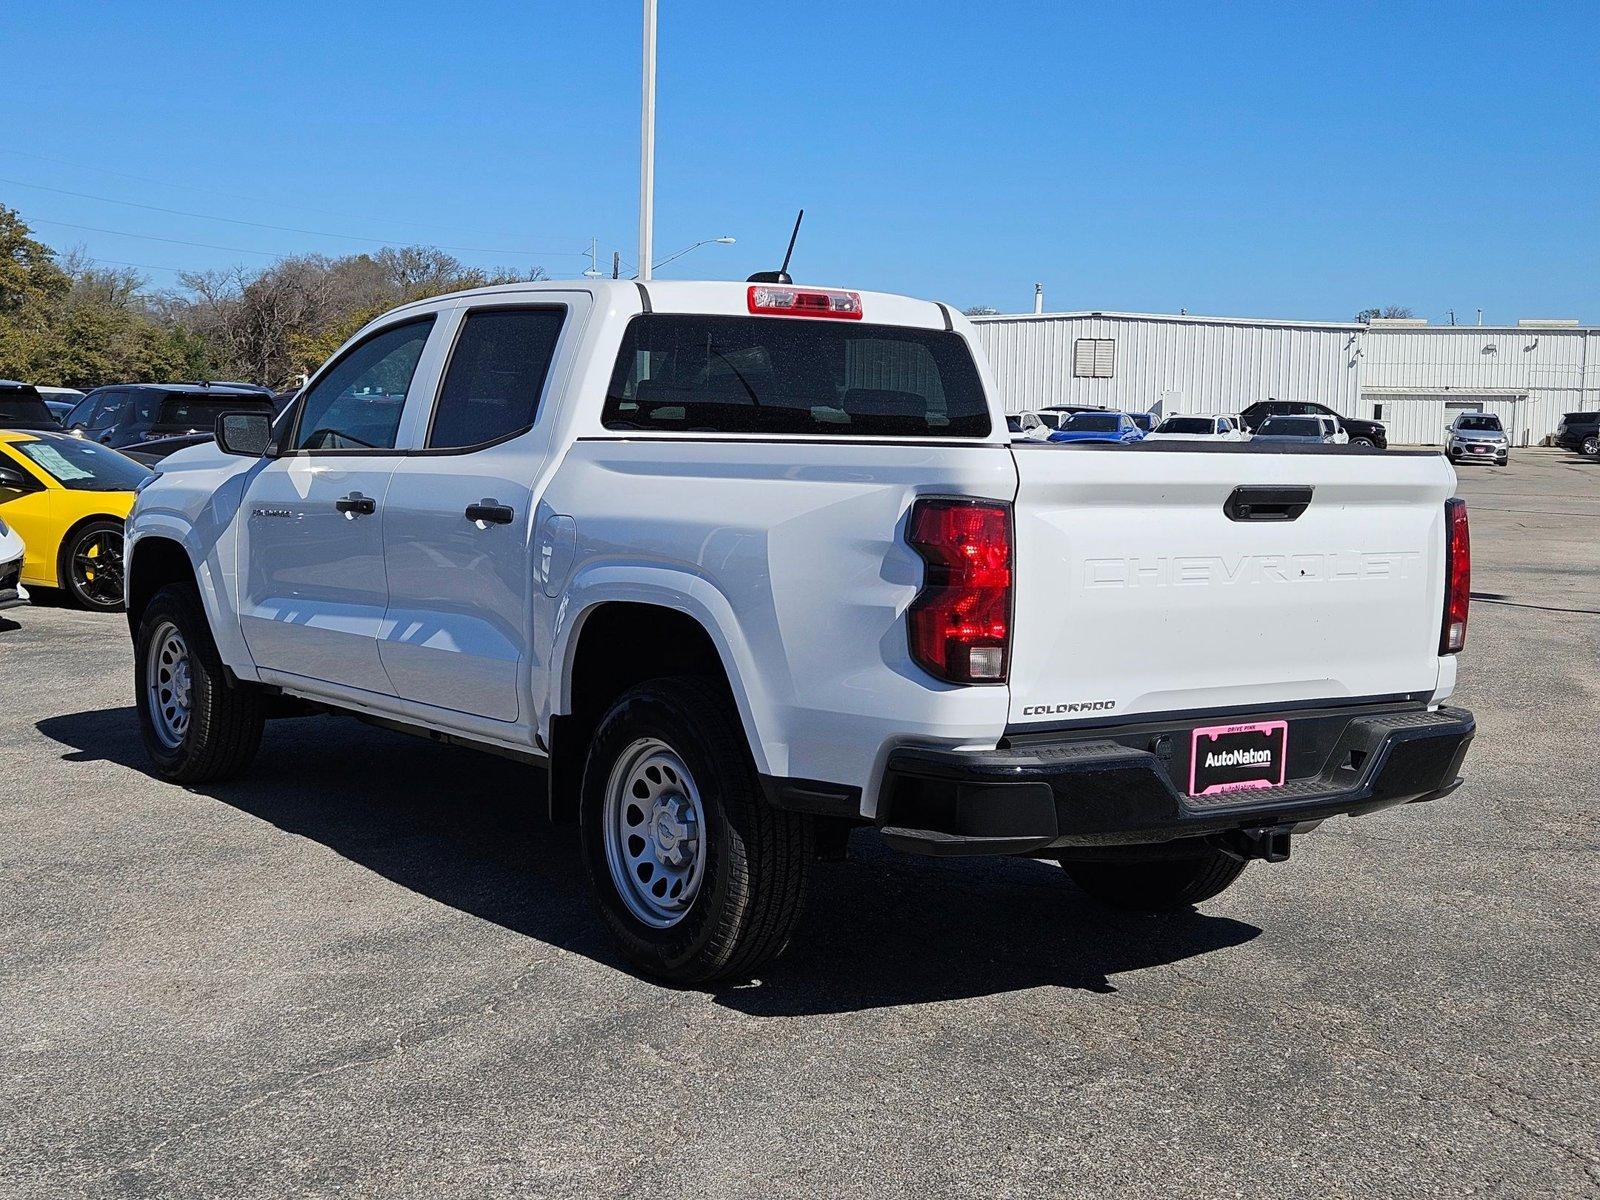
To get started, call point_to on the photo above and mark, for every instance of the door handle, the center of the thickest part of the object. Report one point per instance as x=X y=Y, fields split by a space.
x=1247 y=503
x=490 y=512
x=355 y=503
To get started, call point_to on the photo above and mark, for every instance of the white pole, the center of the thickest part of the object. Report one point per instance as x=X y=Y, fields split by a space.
x=1038 y=297
x=647 y=149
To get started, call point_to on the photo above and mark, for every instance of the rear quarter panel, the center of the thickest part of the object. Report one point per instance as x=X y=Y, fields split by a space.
x=793 y=556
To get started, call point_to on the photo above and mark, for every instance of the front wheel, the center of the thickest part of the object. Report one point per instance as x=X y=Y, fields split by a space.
x=91 y=565
x=696 y=876
x=1361 y=441
x=1591 y=445
x=198 y=725
x=1157 y=885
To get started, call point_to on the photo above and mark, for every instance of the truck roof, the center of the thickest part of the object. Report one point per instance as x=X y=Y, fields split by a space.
x=716 y=297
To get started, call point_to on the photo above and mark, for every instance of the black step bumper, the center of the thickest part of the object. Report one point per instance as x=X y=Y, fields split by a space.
x=1115 y=788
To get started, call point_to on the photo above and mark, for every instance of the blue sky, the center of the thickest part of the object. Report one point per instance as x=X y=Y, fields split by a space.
x=1259 y=160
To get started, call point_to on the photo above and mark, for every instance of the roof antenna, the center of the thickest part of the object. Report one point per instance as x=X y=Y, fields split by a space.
x=781 y=275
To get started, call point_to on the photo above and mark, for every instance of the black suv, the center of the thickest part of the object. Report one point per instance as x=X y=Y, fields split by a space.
x=1580 y=431
x=127 y=414
x=1362 y=433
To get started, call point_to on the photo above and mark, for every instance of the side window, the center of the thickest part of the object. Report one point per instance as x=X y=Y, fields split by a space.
x=103 y=411
x=497 y=371
x=357 y=403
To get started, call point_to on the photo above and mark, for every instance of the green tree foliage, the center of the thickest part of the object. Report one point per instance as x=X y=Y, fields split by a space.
x=65 y=321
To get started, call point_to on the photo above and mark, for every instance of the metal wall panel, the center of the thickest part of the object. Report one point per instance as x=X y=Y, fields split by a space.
x=1168 y=365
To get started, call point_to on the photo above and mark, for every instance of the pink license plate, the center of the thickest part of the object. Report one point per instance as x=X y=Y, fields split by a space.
x=1237 y=758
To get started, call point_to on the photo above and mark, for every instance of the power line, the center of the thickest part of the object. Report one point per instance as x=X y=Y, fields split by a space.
x=150 y=237
x=199 y=187
x=348 y=237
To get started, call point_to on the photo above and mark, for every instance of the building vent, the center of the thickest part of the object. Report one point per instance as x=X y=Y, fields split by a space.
x=1094 y=358
x=1547 y=323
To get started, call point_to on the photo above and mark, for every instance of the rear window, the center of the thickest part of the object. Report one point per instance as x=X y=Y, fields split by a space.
x=1293 y=426
x=24 y=409
x=201 y=412
x=1185 y=425
x=708 y=374
x=1094 y=423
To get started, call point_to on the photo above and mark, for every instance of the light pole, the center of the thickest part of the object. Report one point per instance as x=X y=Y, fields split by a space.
x=647 y=139
x=720 y=241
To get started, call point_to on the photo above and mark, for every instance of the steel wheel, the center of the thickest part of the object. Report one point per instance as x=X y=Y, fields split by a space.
x=96 y=567
x=655 y=837
x=168 y=681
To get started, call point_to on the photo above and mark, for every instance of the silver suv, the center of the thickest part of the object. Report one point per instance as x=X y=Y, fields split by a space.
x=1477 y=437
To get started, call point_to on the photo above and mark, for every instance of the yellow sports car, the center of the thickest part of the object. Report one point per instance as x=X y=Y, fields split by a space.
x=67 y=499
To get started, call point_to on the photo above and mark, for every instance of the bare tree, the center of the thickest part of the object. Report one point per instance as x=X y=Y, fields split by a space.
x=1390 y=312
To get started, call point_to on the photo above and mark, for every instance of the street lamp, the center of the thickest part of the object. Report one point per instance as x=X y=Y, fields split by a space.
x=720 y=241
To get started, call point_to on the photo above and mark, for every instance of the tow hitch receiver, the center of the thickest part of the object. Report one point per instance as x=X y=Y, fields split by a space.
x=1269 y=843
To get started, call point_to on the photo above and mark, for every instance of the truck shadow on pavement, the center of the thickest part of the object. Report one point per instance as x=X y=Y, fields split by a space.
x=466 y=830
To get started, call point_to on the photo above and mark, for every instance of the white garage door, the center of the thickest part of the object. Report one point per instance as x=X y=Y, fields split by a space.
x=1421 y=418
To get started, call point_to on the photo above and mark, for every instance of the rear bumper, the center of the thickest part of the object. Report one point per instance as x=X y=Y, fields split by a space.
x=1115 y=788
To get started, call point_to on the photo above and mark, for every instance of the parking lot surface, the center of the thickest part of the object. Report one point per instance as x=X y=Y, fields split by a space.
x=369 y=969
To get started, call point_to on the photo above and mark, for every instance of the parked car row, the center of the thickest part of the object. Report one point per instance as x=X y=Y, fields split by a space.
x=1269 y=420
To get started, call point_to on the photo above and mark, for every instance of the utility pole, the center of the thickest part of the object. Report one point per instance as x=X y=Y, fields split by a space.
x=647 y=147
x=616 y=264
x=594 y=268
x=1452 y=316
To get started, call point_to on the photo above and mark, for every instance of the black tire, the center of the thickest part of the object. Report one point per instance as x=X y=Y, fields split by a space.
x=1591 y=446
x=1362 y=441
x=757 y=858
x=90 y=565
x=222 y=730
x=1157 y=885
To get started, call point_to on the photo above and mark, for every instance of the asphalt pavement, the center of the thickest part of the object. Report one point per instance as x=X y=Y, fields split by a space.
x=369 y=969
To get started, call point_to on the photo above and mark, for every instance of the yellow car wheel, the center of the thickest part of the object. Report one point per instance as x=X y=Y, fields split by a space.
x=91 y=565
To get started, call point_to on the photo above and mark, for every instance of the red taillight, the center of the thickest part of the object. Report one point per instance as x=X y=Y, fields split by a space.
x=805 y=302
x=960 y=623
x=1457 y=576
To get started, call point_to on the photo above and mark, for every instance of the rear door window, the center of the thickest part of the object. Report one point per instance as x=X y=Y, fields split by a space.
x=776 y=375
x=496 y=375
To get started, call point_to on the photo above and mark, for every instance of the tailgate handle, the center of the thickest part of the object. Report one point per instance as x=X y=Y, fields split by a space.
x=1267 y=503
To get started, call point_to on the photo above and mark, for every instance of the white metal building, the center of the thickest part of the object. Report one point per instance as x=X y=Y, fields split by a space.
x=1412 y=376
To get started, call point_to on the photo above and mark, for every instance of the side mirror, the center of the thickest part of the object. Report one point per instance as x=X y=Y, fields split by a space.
x=244 y=433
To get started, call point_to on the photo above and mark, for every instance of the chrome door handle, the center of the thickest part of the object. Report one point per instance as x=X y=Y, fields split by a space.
x=356 y=503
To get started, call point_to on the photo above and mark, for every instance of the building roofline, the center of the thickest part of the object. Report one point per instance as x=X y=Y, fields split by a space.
x=1185 y=318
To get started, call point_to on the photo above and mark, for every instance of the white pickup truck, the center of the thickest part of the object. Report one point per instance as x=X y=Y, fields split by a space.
x=746 y=566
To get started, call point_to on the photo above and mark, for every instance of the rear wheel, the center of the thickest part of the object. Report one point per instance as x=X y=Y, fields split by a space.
x=1157 y=885
x=91 y=565
x=696 y=876
x=1361 y=441
x=198 y=725
x=1591 y=445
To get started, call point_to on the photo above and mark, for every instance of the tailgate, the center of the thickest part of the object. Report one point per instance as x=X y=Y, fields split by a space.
x=1137 y=593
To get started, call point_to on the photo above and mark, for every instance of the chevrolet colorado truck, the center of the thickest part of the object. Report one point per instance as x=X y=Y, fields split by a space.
x=743 y=567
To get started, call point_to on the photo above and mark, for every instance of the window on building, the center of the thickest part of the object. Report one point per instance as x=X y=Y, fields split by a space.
x=1094 y=358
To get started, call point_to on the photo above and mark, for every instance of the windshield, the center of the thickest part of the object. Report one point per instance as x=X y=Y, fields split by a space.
x=201 y=412
x=722 y=374
x=1186 y=425
x=83 y=466
x=1485 y=424
x=23 y=409
x=1292 y=427
x=1094 y=423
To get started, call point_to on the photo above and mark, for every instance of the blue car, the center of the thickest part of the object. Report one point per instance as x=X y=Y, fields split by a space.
x=1098 y=427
